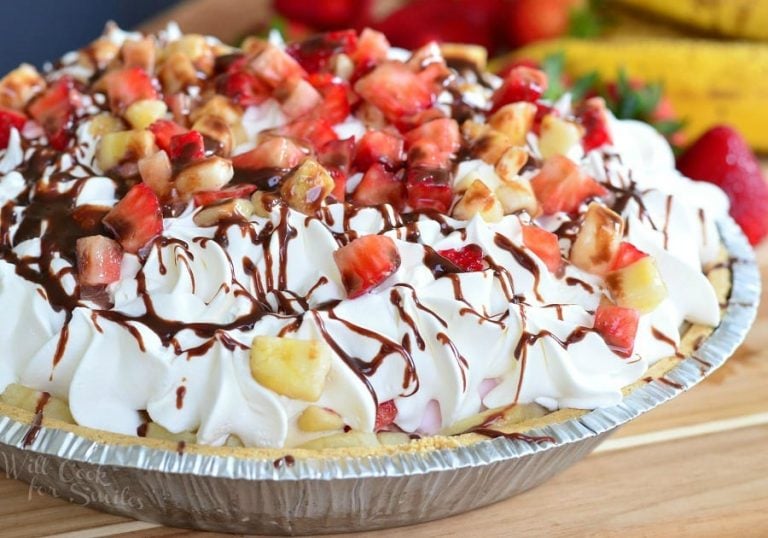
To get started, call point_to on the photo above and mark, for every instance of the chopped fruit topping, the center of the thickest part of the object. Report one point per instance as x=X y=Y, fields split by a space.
x=317 y=132
x=595 y=121
x=722 y=156
x=545 y=245
x=274 y=66
x=128 y=85
x=638 y=285
x=335 y=104
x=25 y=398
x=274 y=152
x=319 y=419
x=469 y=257
x=291 y=367
x=300 y=98
x=187 y=147
x=561 y=185
x=514 y=121
x=366 y=262
x=54 y=110
x=627 y=254
x=224 y=211
x=142 y=114
x=429 y=189
x=265 y=202
x=386 y=413
x=156 y=171
x=372 y=48
x=521 y=84
x=19 y=86
x=9 y=119
x=336 y=157
x=618 y=327
x=164 y=130
x=136 y=219
x=343 y=440
x=395 y=90
x=236 y=191
x=243 y=88
x=306 y=187
x=557 y=136
x=139 y=53
x=209 y=174
x=98 y=260
x=216 y=130
x=380 y=186
x=433 y=144
x=117 y=148
x=378 y=147
x=478 y=199
x=597 y=243
x=104 y=123
x=314 y=54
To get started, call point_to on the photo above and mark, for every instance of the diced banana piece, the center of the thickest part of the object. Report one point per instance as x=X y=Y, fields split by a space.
x=393 y=438
x=515 y=120
x=216 y=128
x=104 y=123
x=638 y=285
x=29 y=400
x=491 y=146
x=307 y=186
x=142 y=114
x=139 y=53
x=116 y=148
x=156 y=171
x=291 y=367
x=505 y=416
x=319 y=419
x=511 y=162
x=19 y=86
x=517 y=195
x=479 y=200
x=99 y=53
x=156 y=431
x=474 y=55
x=194 y=47
x=558 y=136
x=221 y=107
x=490 y=180
x=176 y=73
x=227 y=210
x=264 y=202
x=209 y=174
x=343 y=440
x=598 y=240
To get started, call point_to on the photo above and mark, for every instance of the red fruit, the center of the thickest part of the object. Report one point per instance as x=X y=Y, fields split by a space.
x=469 y=258
x=366 y=262
x=54 y=110
x=534 y=20
x=314 y=54
x=164 y=131
x=372 y=48
x=326 y=14
x=380 y=186
x=618 y=327
x=379 y=147
x=395 y=90
x=385 y=415
x=317 y=131
x=243 y=88
x=521 y=84
x=128 y=85
x=335 y=105
x=336 y=157
x=9 y=119
x=274 y=152
x=98 y=260
x=544 y=244
x=433 y=144
x=429 y=189
x=595 y=121
x=626 y=255
x=560 y=185
x=298 y=97
x=236 y=191
x=722 y=156
x=136 y=219
x=274 y=66
x=187 y=147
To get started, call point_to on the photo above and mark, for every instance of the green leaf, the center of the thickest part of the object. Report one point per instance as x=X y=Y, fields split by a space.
x=583 y=85
x=554 y=67
x=584 y=22
x=669 y=127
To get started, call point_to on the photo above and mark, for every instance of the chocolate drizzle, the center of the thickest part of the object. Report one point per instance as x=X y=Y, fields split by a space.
x=37 y=421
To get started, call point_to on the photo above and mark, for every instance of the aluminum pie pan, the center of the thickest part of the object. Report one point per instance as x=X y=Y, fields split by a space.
x=325 y=495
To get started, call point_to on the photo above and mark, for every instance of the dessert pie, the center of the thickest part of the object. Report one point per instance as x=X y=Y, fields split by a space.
x=333 y=244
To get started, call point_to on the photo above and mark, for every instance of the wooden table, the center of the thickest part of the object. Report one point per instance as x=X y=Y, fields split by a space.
x=697 y=466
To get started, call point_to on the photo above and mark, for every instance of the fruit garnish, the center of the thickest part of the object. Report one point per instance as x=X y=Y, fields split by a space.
x=598 y=240
x=618 y=327
x=638 y=285
x=380 y=186
x=627 y=254
x=114 y=149
x=545 y=245
x=396 y=90
x=212 y=197
x=164 y=131
x=468 y=257
x=298 y=97
x=527 y=21
x=478 y=199
x=326 y=14
x=316 y=131
x=187 y=147
x=429 y=188
x=319 y=419
x=274 y=66
x=136 y=219
x=386 y=413
x=561 y=185
x=243 y=88
x=366 y=262
x=98 y=260
x=157 y=172
x=128 y=85
x=378 y=147
x=433 y=144
x=722 y=156
x=307 y=186
x=9 y=119
x=595 y=122
x=314 y=54
x=521 y=84
x=334 y=107
x=274 y=152
x=203 y=175
x=233 y=209
x=54 y=110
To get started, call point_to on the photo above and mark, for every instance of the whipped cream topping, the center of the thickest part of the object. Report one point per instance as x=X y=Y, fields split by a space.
x=171 y=339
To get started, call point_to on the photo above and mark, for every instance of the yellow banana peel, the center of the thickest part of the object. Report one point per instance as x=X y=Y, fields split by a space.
x=708 y=82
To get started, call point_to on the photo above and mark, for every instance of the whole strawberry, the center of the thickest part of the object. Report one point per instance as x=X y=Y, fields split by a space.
x=722 y=156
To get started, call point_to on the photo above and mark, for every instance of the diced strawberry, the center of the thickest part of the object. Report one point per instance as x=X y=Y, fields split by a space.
x=245 y=89
x=545 y=245
x=235 y=191
x=372 y=48
x=179 y=105
x=395 y=90
x=335 y=105
x=274 y=152
x=561 y=185
x=136 y=219
x=385 y=415
x=54 y=110
x=429 y=188
x=274 y=66
x=315 y=53
x=366 y=262
x=469 y=257
x=98 y=260
x=618 y=327
x=626 y=255
x=521 y=84
x=9 y=119
x=541 y=111
x=187 y=147
x=380 y=186
x=433 y=144
x=378 y=147
x=317 y=131
x=164 y=131
x=300 y=98
x=128 y=85
x=339 y=191
x=336 y=157
x=595 y=121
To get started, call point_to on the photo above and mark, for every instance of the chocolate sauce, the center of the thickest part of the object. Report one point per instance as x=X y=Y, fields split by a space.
x=513 y=436
x=37 y=421
x=522 y=258
x=670 y=382
x=285 y=461
x=661 y=337
x=180 y=393
x=265 y=179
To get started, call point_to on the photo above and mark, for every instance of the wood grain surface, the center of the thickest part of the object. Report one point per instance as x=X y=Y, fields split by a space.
x=696 y=466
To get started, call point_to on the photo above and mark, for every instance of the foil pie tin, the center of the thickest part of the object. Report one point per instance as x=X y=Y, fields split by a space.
x=315 y=496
